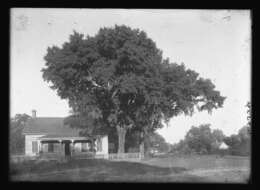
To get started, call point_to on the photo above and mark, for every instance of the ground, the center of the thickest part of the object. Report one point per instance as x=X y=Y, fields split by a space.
x=168 y=169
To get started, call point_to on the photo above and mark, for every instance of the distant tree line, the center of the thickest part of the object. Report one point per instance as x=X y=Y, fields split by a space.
x=200 y=140
x=241 y=143
x=203 y=140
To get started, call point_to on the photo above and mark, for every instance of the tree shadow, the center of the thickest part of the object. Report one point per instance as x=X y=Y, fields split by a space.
x=94 y=167
x=141 y=168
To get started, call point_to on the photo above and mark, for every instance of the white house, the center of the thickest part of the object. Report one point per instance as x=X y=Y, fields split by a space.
x=223 y=146
x=48 y=136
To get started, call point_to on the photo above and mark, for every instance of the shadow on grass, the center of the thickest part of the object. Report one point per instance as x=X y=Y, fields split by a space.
x=92 y=166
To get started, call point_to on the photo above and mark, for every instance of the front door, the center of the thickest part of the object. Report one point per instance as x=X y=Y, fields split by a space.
x=67 y=149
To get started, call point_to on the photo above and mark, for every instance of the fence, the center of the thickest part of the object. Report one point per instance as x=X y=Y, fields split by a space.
x=51 y=156
x=124 y=156
x=21 y=158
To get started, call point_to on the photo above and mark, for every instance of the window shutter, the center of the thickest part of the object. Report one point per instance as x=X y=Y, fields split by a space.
x=50 y=147
x=34 y=146
x=84 y=147
x=99 y=145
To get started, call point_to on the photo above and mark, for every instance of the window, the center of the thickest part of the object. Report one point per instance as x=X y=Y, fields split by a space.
x=99 y=145
x=84 y=147
x=50 y=147
x=34 y=146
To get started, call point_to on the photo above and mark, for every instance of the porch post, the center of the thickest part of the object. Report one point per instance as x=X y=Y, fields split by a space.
x=40 y=147
x=93 y=145
x=72 y=147
x=61 y=148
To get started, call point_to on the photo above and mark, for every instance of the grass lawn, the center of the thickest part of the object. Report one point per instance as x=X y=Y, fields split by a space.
x=168 y=169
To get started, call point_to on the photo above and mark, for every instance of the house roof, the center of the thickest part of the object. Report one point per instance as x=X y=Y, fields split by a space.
x=59 y=137
x=223 y=146
x=52 y=126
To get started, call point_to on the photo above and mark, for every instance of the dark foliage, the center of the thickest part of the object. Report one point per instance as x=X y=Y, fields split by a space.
x=240 y=144
x=119 y=78
x=200 y=140
x=16 y=138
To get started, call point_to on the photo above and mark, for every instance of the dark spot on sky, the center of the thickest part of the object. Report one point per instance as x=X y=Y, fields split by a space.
x=227 y=18
x=21 y=22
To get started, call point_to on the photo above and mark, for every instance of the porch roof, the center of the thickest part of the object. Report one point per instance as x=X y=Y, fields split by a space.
x=57 y=137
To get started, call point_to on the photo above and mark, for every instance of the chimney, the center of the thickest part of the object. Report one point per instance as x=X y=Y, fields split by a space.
x=33 y=113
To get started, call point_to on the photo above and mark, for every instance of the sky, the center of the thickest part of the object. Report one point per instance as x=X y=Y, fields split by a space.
x=214 y=43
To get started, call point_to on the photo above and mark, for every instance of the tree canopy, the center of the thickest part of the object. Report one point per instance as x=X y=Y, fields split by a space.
x=218 y=135
x=240 y=143
x=119 y=78
x=200 y=139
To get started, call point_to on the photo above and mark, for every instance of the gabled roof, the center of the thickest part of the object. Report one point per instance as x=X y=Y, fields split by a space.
x=49 y=126
x=223 y=146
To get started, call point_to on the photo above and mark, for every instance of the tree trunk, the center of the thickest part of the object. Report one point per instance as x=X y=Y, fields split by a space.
x=121 y=132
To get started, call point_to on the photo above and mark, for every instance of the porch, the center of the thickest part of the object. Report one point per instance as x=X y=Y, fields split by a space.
x=60 y=147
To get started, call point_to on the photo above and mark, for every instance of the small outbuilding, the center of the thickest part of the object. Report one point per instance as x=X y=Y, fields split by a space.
x=223 y=146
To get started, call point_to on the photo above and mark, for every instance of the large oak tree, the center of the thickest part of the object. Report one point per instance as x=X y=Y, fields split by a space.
x=119 y=79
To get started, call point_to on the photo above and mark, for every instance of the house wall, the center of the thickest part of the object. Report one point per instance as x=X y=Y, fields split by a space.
x=28 y=144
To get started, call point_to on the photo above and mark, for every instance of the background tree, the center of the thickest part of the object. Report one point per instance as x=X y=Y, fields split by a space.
x=218 y=135
x=16 y=138
x=234 y=142
x=155 y=140
x=181 y=147
x=119 y=78
x=245 y=138
x=199 y=139
x=244 y=132
x=240 y=143
x=217 y=138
